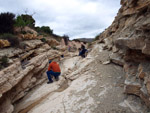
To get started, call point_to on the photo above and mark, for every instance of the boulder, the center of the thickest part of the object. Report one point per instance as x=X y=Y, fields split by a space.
x=117 y=59
x=4 y=43
x=10 y=52
x=132 y=88
x=31 y=44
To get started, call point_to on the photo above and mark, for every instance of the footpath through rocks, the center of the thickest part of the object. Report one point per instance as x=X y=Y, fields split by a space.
x=89 y=85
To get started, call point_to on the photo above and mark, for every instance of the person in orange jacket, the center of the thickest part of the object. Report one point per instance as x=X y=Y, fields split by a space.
x=53 y=70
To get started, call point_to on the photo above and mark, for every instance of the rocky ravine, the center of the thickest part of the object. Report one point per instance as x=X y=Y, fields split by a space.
x=24 y=73
x=90 y=85
x=130 y=33
x=26 y=70
x=94 y=84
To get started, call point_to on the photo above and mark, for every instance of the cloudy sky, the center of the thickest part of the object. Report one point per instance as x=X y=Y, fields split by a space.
x=75 y=18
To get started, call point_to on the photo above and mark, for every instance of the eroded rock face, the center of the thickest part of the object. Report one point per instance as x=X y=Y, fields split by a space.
x=25 y=73
x=74 y=45
x=4 y=43
x=10 y=52
x=130 y=33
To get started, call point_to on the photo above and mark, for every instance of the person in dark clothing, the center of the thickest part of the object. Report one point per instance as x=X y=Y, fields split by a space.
x=62 y=56
x=53 y=70
x=79 y=50
x=82 y=51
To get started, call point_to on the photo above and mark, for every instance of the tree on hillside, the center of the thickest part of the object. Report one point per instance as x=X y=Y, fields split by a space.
x=7 y=21
x=44 y=29
x=28 y=20
x=25 y=20
x=20 y=22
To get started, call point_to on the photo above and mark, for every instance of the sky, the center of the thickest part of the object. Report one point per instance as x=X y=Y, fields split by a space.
x=75 y=18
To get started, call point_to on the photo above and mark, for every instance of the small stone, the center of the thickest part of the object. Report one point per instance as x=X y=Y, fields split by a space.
x=114 y=49
x=106 y=62
x=141 y=75
x=98 y=102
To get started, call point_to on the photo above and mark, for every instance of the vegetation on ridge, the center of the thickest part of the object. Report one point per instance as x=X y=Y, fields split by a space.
x=14 y=41
x=14 y=28
x=24 y=20
x=7 y=21
x=3 y=62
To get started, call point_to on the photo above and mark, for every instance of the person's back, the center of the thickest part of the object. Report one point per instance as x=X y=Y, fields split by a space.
x=54 y=67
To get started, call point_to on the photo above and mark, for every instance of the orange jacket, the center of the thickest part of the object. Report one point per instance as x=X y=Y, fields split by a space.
x=54 y=67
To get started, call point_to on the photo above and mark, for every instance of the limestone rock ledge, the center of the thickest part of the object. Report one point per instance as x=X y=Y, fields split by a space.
x=16 y=80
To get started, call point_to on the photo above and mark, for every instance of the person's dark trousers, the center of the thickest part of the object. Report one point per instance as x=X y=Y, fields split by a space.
x=82 y=53
x=55 y=74
x=83 y=56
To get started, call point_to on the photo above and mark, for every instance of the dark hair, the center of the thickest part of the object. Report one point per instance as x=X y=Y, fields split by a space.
x=82 y=46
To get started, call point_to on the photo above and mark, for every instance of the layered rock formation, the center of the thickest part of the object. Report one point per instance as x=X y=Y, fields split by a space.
x=74 y=44
x=4 y=43
x=130 y=33
x=128 y=38
x=27 y=70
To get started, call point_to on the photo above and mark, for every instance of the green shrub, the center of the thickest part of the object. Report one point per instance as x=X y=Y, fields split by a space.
x=43 y=40
x=25 y=20
x=38 y=29
x=30 y=32
x=44 y=29
x=14 y=41
x=4 y=61
x=53 y=47
x=96 y=37
x=1 y=66
x=7 y=21
x=19 y=22
x=23 y=32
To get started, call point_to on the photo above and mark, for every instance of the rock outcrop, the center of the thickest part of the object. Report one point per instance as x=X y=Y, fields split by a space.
x=74 y=44
x=127 y=42
x=26 y=70
x=130 y=33
x=4 y=43
x=26 y=29
x=28 y=36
